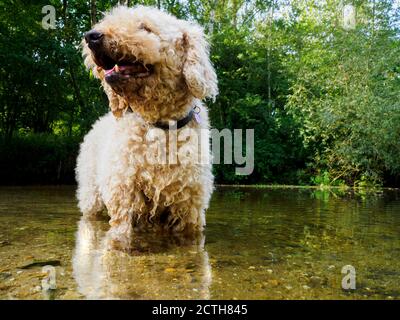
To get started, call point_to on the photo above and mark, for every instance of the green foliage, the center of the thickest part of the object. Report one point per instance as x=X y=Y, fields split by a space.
x=38 y=159
x=324 y=179
x=323 y=101
x=346 y=96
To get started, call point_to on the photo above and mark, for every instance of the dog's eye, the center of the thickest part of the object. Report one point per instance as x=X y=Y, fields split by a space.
x=144 y=27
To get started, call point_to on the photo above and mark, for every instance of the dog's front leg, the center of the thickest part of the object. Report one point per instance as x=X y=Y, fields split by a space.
x=121 y=229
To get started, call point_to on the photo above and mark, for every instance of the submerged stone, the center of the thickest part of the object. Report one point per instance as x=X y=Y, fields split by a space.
x=34 y=264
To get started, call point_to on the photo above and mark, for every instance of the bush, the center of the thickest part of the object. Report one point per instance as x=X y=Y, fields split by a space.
x=38 y=159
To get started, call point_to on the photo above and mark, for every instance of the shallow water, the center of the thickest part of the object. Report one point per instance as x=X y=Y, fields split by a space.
x=258 y=244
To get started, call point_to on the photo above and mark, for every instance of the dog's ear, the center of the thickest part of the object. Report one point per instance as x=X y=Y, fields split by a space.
x=198 y=71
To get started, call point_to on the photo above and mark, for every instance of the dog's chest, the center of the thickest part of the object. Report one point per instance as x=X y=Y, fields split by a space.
x=155 y=158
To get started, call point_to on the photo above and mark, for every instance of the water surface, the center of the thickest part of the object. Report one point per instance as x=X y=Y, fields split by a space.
x=258 y=244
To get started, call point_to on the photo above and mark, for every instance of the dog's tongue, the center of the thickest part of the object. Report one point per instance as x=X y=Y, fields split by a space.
x=127 y=69
x=109 y=71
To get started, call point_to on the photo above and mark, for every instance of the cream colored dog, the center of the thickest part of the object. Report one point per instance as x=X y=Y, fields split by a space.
x=155 y=70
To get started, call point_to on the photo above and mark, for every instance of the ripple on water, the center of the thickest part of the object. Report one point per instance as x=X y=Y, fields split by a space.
x=258 y=244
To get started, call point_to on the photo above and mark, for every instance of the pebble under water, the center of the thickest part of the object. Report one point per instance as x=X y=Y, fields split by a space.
x=272 y=243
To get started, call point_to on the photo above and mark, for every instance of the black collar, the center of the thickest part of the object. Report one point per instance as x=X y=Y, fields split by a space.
x=179 y=123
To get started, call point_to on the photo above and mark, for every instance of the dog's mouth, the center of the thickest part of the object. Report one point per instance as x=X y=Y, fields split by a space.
x=116 y=70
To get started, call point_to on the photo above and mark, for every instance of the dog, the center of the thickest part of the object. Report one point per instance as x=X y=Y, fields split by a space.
x=155 y=70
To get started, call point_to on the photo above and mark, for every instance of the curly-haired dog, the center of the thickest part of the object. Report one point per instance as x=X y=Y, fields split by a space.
x=155 y=70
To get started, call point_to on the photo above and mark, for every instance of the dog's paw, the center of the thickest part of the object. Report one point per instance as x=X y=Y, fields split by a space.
x=119 y=239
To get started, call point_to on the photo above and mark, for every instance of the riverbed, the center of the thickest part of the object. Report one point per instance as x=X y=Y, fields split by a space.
x=269 y=243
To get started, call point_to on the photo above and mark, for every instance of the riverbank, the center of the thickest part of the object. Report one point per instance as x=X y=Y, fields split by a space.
x=320 y=187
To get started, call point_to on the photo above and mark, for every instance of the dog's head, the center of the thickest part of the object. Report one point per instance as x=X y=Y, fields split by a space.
x=151 y=61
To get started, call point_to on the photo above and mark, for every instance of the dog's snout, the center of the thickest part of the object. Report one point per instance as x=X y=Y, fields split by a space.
x=93 y=36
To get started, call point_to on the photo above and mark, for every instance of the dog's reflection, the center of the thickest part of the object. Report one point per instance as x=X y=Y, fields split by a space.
x=153 y=267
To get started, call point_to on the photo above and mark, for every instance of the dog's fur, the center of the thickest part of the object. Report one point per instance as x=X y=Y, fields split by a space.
x=110 y=168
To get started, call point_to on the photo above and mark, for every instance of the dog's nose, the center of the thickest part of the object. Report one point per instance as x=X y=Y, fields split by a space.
x=93 y=36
